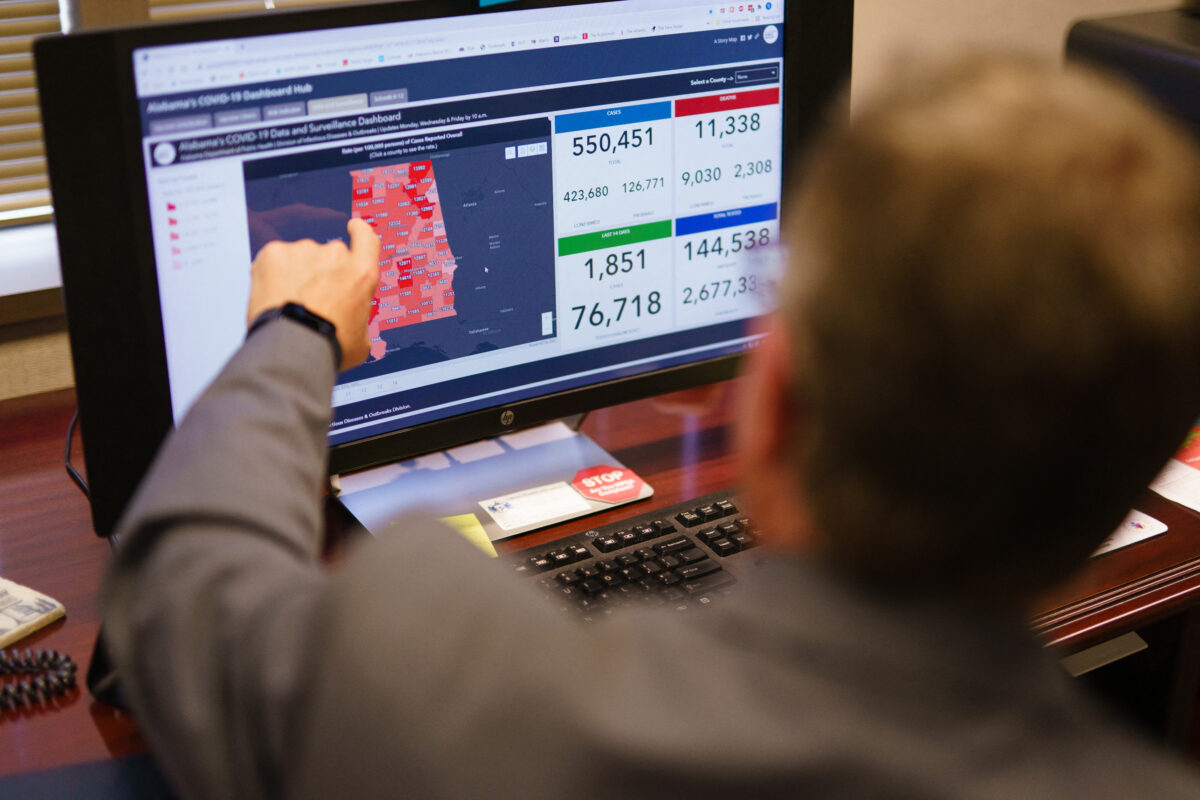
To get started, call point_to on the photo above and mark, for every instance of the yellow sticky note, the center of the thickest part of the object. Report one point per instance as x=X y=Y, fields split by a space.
x=469 y=526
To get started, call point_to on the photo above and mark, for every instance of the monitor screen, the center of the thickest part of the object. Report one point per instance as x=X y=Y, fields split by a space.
x=569 y=196
x=563 y=196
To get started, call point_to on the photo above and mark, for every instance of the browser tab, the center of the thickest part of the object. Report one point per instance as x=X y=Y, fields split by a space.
x=389 y=97
x=194 y=122
x=239 y=117
x=283 y=111
x=333 y=105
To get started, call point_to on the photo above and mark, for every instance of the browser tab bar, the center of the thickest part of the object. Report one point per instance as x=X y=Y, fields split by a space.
x=184 y=67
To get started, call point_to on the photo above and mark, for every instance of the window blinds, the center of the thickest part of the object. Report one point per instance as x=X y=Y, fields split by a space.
x=24 y=189
x=188 y=9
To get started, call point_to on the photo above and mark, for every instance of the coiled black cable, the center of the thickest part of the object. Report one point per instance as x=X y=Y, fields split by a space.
x=50 y=675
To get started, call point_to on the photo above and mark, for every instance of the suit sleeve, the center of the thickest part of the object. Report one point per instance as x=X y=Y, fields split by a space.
x=209 y=599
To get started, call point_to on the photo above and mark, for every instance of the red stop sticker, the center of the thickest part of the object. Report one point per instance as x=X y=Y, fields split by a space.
x=608 y=484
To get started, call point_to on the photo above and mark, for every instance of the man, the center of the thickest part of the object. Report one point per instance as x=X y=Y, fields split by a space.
x=986 y=346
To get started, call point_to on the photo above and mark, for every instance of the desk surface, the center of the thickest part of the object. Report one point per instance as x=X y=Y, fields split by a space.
x=46 y=542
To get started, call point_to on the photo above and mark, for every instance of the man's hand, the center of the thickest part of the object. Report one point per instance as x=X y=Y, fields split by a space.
x=328 y=279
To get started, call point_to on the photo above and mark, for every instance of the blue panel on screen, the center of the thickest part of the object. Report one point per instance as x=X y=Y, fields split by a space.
x=725 y=219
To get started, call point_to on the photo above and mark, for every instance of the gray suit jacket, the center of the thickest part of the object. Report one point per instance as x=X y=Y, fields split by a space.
x=422 y=669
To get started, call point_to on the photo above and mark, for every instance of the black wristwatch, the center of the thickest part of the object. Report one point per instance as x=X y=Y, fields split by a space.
x=298 y=313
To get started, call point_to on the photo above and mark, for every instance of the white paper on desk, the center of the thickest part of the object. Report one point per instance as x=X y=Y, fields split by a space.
x=23 y=611
x=1179 y=481
x=535 y=506
x=1134 y=528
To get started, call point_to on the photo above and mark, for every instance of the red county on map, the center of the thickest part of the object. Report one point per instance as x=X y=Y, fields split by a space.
x=416 y=267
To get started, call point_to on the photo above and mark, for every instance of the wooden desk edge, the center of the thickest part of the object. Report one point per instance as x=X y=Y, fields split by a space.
x=1120 y=609
x=1087 y=614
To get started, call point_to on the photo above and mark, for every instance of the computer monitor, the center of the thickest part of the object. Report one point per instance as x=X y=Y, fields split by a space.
x=573 y=201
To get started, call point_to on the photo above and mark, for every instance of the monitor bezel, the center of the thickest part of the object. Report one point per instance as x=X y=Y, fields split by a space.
x=118 y=351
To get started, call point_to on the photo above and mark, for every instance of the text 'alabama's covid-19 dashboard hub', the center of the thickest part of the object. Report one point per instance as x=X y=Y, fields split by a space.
x=563 y=196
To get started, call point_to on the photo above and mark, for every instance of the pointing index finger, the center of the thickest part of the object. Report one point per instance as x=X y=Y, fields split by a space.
x=364 y=244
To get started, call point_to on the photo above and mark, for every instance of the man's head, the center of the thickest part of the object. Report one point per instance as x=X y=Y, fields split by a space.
x=990 y=331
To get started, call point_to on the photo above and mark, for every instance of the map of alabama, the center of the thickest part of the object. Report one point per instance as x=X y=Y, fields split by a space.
x=416 y=267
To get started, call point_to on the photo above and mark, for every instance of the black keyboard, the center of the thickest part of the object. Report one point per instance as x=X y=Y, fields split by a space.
x=682 y=557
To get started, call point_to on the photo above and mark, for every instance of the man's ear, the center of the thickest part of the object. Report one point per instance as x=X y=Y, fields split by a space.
x=770 y=426
x=767 y=418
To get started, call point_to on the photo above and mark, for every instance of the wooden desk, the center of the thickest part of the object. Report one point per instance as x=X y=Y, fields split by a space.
x=46 y=542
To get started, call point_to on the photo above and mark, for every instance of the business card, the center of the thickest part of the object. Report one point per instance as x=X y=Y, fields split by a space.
x=1136 y=527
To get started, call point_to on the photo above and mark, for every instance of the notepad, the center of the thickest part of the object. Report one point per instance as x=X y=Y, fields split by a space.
x=468 y=525
x=23 y=611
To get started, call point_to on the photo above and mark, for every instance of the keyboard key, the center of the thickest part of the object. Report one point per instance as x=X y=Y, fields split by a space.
x=691 y=556
x=646 y=531
x=729 y=528
x=697 y=570
x=591 y=586
x=724 y=547
x=651 y=567
x=742 y=540
x=689 y=519
x=663 y=526
x=560 y=558
x=707 y=583
x=625 y=559
x=567 y=578
x=668 y=578
x=672 y=545
x=708 y=535
x=579 y=552
x=709 y=513
x=725 y=507
x=646 y=554
x=540 y=563
x=606 y=544
x=670 y=562
x=632 y=573
x=610 y=579
x=588 y=571
x=627 y=538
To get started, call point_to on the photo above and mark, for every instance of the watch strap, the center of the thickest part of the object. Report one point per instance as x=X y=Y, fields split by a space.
x=300 y=314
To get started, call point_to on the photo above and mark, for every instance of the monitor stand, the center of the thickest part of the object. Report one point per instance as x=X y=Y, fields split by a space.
x=507 y=486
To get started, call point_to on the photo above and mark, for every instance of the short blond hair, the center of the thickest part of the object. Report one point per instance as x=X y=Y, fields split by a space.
x=995 y=303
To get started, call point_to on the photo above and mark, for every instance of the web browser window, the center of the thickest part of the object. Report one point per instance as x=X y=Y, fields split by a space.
x=564 y=196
